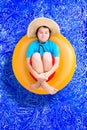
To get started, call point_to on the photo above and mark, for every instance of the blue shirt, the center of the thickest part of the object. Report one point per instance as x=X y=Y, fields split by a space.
x=48 y=46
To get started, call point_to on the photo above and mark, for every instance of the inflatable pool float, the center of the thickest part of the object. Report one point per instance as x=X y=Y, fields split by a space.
x=63 y=74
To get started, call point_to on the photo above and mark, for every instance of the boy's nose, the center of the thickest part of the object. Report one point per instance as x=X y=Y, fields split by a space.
x=43 y=34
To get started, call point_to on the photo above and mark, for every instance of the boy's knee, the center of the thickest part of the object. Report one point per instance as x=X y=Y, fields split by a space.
x=47 y=57
x=47 y=54
x=36 y=55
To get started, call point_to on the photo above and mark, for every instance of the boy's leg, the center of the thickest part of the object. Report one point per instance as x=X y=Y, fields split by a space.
x=37 y=66
x=47 y=65
x=35 y=85
x=37 y=63
x=48 y=88
x=47 y=61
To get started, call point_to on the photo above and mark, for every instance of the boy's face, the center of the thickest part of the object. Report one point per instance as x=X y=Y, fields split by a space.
x=43 y=34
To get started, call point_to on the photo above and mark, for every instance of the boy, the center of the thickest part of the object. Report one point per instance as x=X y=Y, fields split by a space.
x=43 y=55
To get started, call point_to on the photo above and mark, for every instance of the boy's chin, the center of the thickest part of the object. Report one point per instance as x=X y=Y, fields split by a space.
x=43 y=40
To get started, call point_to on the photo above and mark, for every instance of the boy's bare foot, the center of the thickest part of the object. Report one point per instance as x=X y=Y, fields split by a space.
x=49 y=88
x=34 y=86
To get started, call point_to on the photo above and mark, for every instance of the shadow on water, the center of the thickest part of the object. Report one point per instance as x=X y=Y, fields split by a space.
x=16 y=92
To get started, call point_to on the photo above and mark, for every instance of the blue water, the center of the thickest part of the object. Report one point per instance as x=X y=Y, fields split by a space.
x=21 y=109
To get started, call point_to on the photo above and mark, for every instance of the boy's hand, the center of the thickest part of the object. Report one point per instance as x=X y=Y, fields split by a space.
x=42 y=77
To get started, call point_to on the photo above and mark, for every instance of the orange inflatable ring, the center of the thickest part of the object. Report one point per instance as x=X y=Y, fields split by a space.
x=63 y=74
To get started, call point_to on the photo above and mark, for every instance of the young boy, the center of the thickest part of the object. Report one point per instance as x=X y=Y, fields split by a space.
x=43 y=56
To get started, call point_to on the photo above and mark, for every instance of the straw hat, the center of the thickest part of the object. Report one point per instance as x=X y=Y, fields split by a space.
x=35 y=24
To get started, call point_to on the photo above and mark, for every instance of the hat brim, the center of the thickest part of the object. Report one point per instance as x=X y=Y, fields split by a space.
x=35 y=24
